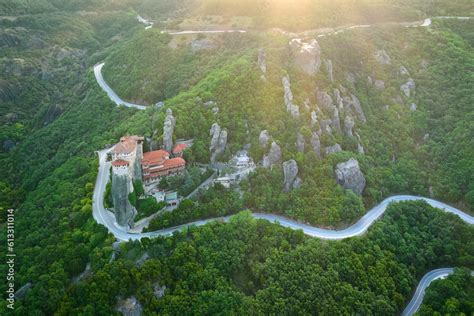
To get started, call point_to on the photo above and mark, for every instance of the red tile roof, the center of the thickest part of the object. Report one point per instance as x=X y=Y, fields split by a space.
x=179 y=148
x=174 y=163
x=119 y=162
x=156 y=157
x=127 y=144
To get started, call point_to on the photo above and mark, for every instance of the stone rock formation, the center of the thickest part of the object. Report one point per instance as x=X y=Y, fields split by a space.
x=328 y=64
x=168 y=129
x=158 y=290
x=408 y=88
x=349 y=176
x=215 y=133
x=333 y=149
x=273 y=157
x=338 y=99
x=261 y=61
x=290 y=171
x=382 y=57
x=264 y=138
x=297 y=183
x=218 y=141
x=402 y=71
x=307 y=56
x=288 y=96
x=352 y=104
x=314 y=118
x=130 y=307
x=324 y=100
x=300 y=143
x=123 y=210
x=210 y=103
x=316 y=144
x=326 y=126
x=360 y=149
x=348 y=125
x=335 y=121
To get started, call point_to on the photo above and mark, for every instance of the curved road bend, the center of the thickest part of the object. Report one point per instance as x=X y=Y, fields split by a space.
x=111 y=93
x=417 y=299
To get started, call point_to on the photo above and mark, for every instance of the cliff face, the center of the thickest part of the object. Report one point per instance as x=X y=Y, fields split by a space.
x=168 y=129
x=137 y=169
x=123 y=210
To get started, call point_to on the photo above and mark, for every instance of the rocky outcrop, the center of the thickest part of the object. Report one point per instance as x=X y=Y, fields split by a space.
x=382 y=57
x=218 y=141
x=290 y=171
x=328 y=64
x=408 y=88
x=335 y=121
x=326 y=126
x=324 y=100
x=158 y=290
x=352 y=104
x=307 y=56
x=273 y=157
x=300 y=143
x=130 y=307
x=348 y=125
x=360 y=149
x=349 y=176
x=314 y=118
x=168 y=130
x=123 y=210
x=333 y=149
x=338 y=99
x=261 y=61
x=402 y=71
x=288 y=97
x=215 y=133
x=316 y=144
x=53 y=112
x=264 y=138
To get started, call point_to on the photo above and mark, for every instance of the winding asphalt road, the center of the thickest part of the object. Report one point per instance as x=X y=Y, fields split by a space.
x=417 y=298
x=111 y=93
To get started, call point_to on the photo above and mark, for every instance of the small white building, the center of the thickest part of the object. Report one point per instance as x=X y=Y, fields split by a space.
x=159 y=195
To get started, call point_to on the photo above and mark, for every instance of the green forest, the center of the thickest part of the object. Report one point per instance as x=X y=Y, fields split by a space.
x=54 y=117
